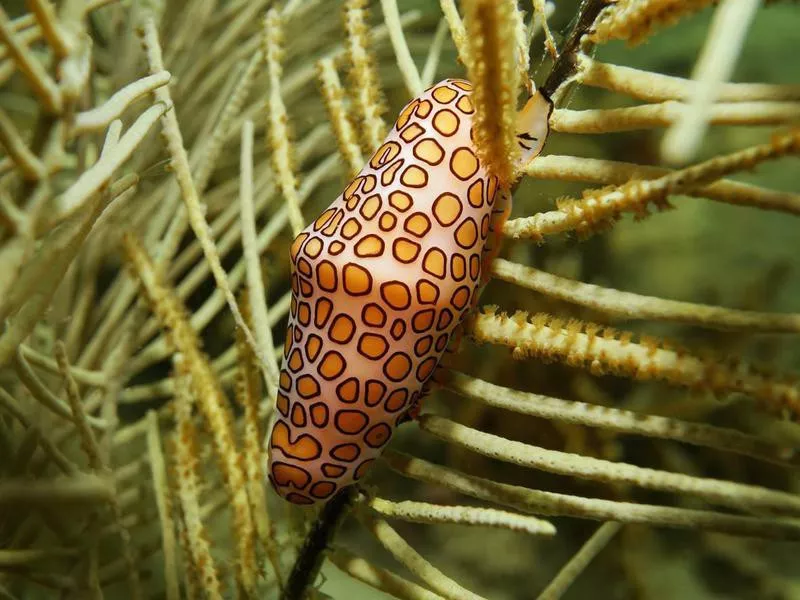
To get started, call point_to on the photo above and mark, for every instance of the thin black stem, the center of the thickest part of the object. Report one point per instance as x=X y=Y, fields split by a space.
x=312 y=554
x=566 y=64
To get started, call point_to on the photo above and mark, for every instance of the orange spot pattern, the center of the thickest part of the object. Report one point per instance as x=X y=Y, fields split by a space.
x=380 y=282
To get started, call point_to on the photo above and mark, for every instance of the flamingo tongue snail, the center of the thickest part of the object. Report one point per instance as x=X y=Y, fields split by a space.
x=380 y=282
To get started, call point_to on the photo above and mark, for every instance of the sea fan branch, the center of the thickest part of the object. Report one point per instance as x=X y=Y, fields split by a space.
x=364 y=81
x=158 y=471
x=657 y=87
x=379 y=578
x=248 y=395
x=571 y=505
x=745 y=497
x=405 y=554
x=423 y=512
x=195 y=539
x=627 y=305
x=279 y=136
x=206 y=389
x=581 y=344
x=405 y=62
x=333 y=94
x=41 y=83
x=492 y=68
x=189 y=191
x=580 y=560
x=634 y=20
x=664 y=114
x=26 y=161
x=598 y=171
x=624 y=421
x=599 y=206
x=256 y=304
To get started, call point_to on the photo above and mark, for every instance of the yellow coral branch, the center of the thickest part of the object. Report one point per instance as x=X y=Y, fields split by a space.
x=88 y=440
x=42 y=84
x=92 y=449
x=492 y=69
x=248 y=394
x=403 y=552
x=364 y=81
x=456 y=26
x=408 y=69
x=101 y=116
x=232 y=107
x=543 y=10
x=43 y=395
x=28 y=163
x=214 y=303
x=423 y=512
x=333 y=94
x=32 y=292
x=609 y=351
x=197 y=546
x=664 y=114
x=46 y=17
x=213 y=404
x=10 y=405
x=598 y=171
x=180 y=163
x=12 y=217
x=627 y=305
x=278 y=130
x=255 y=283
x=82 y=376
x=634 y=20
x=379 y=578
x=657 y=87
x=579 y=561
x=76 y=489
x=597 y=207
x=624 y=421
x=158 y=471
x=434 y=54
x=725 y=493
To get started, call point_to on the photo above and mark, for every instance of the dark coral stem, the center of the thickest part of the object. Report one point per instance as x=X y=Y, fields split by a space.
x=566 y=64
x=309 y=561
